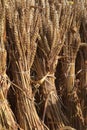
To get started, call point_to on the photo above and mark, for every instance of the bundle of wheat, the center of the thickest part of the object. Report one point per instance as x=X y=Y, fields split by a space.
x=70 y=50
x=22 y=30
x=56 y=22
x=82 y=57
x=7 y=121
x=81 y=76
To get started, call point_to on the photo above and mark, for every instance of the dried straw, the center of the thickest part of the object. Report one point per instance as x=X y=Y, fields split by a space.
x=7 y=121
x=23 y=24
x=55 y=24
x=70 y=50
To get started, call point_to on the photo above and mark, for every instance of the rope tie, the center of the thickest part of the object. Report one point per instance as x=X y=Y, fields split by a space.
x=39 y=82
x=67 y=74
x=22 y=72
x=72 y=75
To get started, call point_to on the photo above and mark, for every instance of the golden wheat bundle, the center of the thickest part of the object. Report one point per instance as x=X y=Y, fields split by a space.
x=7 y=121
x=82 y=66
x=56 y=21
x=70 y=50
x=22 y=31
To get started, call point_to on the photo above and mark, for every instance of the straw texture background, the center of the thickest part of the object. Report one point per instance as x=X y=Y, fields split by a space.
x=43 y=65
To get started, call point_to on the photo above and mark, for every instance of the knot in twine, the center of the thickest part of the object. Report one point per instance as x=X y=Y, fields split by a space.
x=41 y=81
